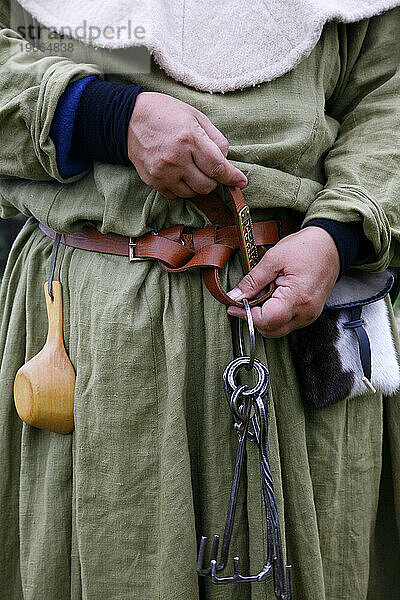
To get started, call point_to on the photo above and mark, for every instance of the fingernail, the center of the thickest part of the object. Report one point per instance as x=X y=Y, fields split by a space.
x=243 y=182
x=235 y=294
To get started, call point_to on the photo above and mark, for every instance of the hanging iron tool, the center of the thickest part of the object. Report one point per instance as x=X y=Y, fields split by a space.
x=250 y=409
x=243 y=402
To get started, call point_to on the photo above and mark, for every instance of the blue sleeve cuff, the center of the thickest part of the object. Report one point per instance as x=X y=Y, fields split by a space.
x=62 y=128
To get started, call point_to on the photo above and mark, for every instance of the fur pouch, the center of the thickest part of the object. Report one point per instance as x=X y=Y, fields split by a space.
x=349 y=349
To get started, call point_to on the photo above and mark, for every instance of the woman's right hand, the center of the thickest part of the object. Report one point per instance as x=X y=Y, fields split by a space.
x=176 y=149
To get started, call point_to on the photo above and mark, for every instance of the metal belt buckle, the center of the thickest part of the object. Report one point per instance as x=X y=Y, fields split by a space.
x=132 y=246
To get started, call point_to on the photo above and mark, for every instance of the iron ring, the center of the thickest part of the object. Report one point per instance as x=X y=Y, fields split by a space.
x=240 y=363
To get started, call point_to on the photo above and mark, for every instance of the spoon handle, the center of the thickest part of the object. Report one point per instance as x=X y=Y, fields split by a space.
x=55 y=314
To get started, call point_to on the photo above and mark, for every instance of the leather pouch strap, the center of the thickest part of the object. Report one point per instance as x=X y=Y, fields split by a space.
x=356 y=323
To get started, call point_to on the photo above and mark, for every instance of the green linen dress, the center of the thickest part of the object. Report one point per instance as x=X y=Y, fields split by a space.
x=114 y=511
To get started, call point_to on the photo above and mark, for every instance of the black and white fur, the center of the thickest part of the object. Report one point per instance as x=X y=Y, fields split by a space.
x=326 y=354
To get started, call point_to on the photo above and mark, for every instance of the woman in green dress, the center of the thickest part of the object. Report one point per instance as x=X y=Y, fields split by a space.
x=115 y=509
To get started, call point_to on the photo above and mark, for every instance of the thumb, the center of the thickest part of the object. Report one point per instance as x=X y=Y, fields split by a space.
x=255 y=280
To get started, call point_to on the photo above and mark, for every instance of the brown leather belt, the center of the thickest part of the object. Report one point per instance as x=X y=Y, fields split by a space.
x=178 y=249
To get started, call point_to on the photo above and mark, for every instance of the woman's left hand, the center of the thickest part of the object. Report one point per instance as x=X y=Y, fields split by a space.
x=305 y=267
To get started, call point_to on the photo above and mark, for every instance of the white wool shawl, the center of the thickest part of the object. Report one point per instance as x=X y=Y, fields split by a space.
x=211 y=45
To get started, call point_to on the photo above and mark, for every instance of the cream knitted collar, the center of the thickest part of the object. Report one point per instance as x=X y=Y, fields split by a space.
x=211 y=45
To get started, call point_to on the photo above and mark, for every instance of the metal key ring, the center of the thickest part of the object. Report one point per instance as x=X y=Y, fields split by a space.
x=240 y=363
x=252 y=336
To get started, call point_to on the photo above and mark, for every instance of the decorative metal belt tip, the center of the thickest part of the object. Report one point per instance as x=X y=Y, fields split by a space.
x=250 y=409
x=248 y=242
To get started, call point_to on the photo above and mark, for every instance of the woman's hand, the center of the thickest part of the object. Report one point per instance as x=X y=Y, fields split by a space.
x=176 y=149
x=305 y=267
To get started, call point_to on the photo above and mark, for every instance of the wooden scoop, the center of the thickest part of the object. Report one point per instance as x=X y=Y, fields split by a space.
x=44 y=386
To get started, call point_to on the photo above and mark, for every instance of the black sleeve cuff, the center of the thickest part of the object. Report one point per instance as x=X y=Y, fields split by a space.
x=101 y=122
x=348 y=237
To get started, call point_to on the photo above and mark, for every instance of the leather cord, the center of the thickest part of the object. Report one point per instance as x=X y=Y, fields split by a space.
x=53 y=261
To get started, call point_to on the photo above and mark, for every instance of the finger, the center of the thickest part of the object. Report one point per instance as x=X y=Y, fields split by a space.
x=273 y=315
x=255 y=281
x=282 y=331
x=235 y=311
x=277 y=327
x=274 y=312
x=210 y=160
x=182 y=189
x=213 y=133
x=197 y=181
x=167 y=193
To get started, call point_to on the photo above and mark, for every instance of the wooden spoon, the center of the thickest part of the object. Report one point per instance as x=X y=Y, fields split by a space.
x=44 y=386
